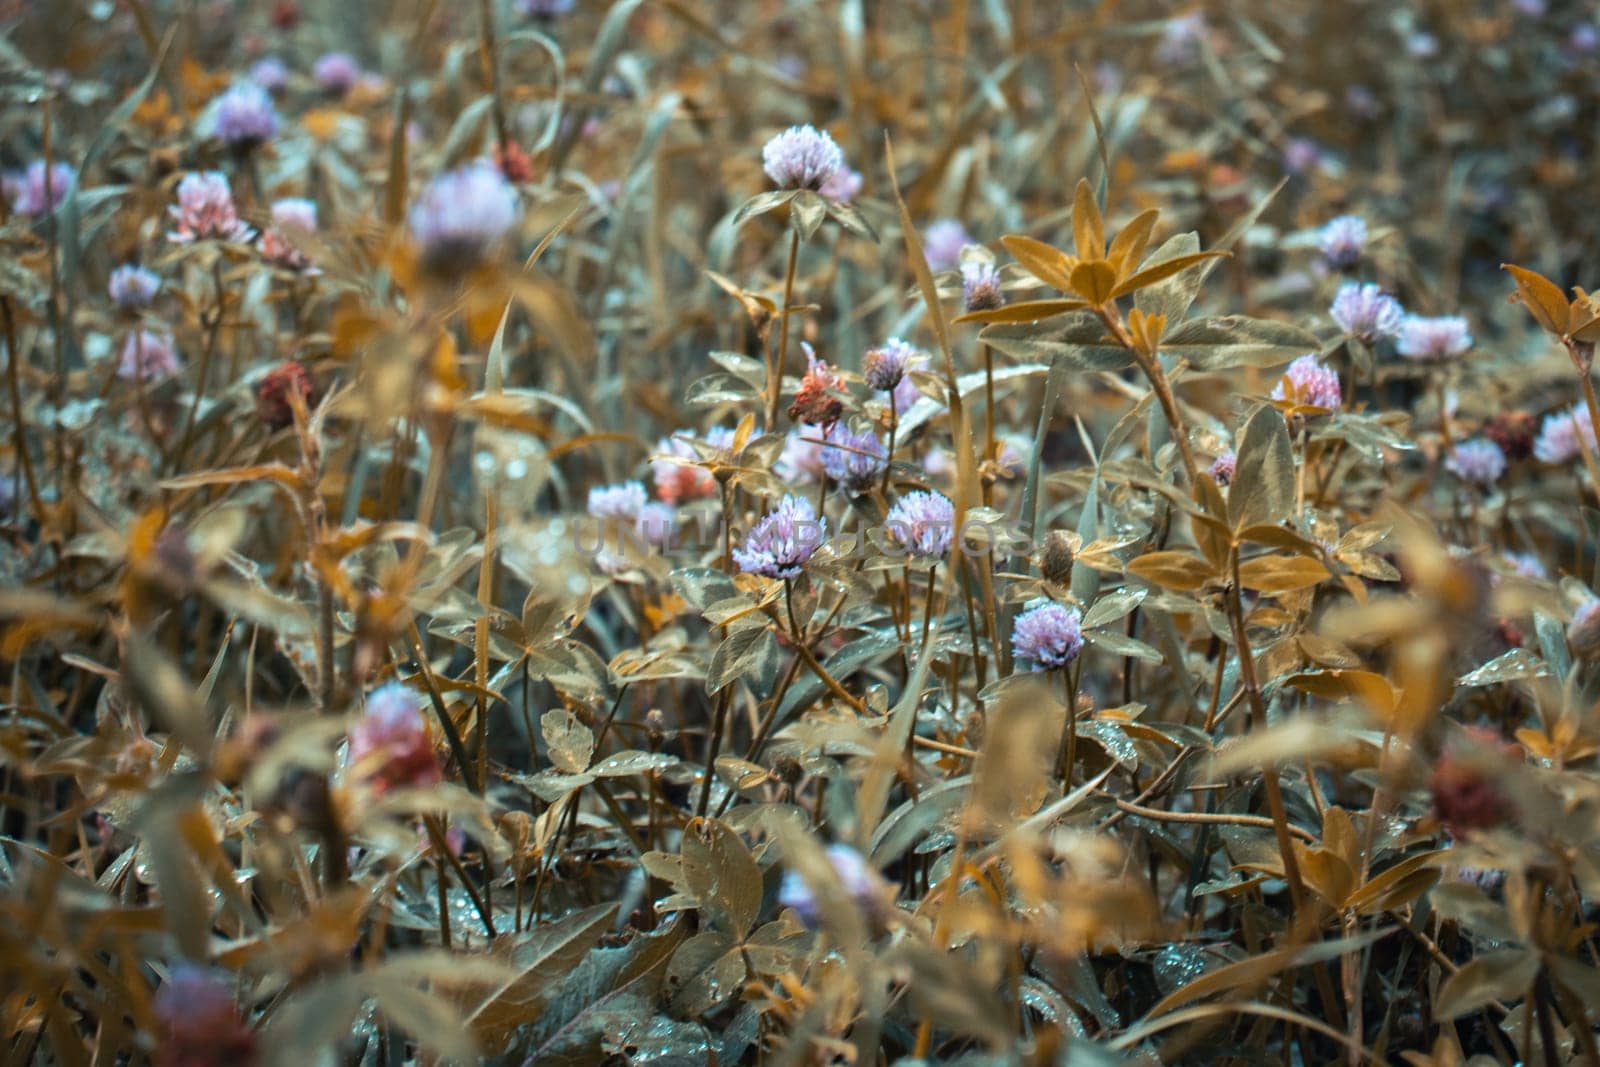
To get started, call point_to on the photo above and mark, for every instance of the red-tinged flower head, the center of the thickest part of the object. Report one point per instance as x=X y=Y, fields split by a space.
x=201 y=1025
x=514 y=163
x=389 y=745
x=273 y=406
x=1466 y=793
x=817 y=401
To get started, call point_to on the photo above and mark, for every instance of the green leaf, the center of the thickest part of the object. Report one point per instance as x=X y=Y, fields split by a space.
x=738 y=655
x=1504 y=974
x=1075 y=341
x=1263 y=485
x=762 y=203
x=806 y=212
x=570 y=742
x=1238 y=341
x=541 y=957
x=1113 y=606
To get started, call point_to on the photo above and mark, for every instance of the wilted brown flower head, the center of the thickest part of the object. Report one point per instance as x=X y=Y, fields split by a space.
x=273 y=406
x=1467 y=795
x=1514 y=432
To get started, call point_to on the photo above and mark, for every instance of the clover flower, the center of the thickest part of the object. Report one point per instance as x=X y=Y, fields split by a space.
x=656 y=524
x=389 y=744
x=1479 y=461
x=1526 y=565
x=146 y=356
x=1047 y=634
x=884 y=367
x=39 y=190
x=843 y=186
x=1513 y=431
x=200 y=1020
x=980 y=286
x=624 y=500
x=244 y=117
x=1433 y=340
x=1343 y=241
x=1302 y=155
x=276 y=246
x=1310 y=383
x=680 y=479
x=817 y=401
x=780 y=544
x=1583 y=632
x=801 y=157
x=942 y=244
x=206 y=211
x=1366 y=312
x=1466 y=795
x=853 y=460
x=543 y=9
x=1058 y=554
x=1559 y=438
x=863 y=886
x=801 y=459
x=270 y=73
x=461 y=214
x=1224 y=467
x=922 y=523
x=133 y=287
x=336 y=72
x=274 y=406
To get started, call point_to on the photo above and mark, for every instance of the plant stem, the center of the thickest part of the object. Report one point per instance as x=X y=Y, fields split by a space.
x=775 y=377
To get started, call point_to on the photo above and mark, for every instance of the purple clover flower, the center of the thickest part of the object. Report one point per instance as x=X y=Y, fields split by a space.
x=622 y=501
x=780 y=544
x=886 y=366
x=146 y=356
x=1047 y=634
x=942 y=244
x=1302 y=155
x=337 y=72
x=801 y=157
x=1365 y=312
x=980 y=286
x=133 y=287
x=1583 y=632
x=206 y=211
x=844 y=186
x=461 y=214
x=853 y=460
x=1224 y=467
x=1343 y=241
x=1479 y=461
x=1312 y=383
x=864 y=886
x=656 y=524
x=1180 y=39
x=801 y=460
x=271 y=74
x=1559 y=440
x=37 y=190
x=543 y=9
x=1433 y=340
x=922 y=523
x=244 y=117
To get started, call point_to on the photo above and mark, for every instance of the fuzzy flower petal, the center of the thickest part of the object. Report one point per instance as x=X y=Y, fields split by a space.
x=779 y=545
x=1047 y=634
